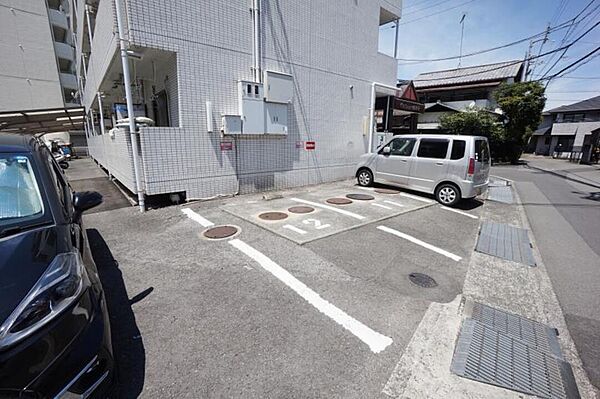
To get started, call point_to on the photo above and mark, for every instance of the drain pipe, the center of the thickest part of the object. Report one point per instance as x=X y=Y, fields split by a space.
x=256 y=39
x=100 y=94
x=130 y=115
x=89 y=22
x=372 y=111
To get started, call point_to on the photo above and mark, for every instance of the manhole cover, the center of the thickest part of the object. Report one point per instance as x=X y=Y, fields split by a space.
x=360 y=197
x=218 y=232
x=273 y=216
x=301 y=209
x=422 y=280
x=339 y=201
x=386 y=191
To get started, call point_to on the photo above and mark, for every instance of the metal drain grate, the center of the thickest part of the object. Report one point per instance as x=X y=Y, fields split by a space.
x=486 y=355
x=360 y=197
x=505 y=241
x=533 y=333
x=339 y=201
x=500 y=194
x=273 y=215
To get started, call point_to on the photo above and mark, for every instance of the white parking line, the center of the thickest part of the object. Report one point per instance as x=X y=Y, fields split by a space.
x=365 y=188
x=440 y=251
x=294 y=229
x=459 y=212
x=381 y=206
x=331 y=208
x=416 y=198
x=197 y=218
x=377 y=342
x=393 y=203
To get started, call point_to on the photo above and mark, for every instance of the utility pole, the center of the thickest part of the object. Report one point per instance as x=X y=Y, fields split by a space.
x=462 y=34
x=537 y=61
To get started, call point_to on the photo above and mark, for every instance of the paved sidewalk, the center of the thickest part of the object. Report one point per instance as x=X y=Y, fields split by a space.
x=585 y=174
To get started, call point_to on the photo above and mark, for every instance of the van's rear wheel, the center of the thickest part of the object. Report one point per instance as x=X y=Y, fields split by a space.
x=364 y=177
x=447 y=194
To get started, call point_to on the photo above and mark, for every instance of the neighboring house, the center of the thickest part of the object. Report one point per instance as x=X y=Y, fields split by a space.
x=234 y=112
x=568 y=130
x=37 y=62
x=461 y=89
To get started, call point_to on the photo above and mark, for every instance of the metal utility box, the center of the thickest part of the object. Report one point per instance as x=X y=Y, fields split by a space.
x=251 y=107
x=231 y=124
x=276 y=118
x=279 y=87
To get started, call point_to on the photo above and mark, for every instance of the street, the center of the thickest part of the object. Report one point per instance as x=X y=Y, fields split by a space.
x=564 y=212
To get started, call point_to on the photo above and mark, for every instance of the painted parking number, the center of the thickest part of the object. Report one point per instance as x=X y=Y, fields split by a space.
x=316 y=223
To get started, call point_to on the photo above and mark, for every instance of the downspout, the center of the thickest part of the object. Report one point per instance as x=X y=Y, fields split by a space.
x=130 y=115
x=256 y=39
x=89 y=23
x=372 y=111
x=101 y=113
x=396 y=38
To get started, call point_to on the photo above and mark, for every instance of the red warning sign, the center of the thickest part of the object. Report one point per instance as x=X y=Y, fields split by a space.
x=226 y=145
x=310 y=145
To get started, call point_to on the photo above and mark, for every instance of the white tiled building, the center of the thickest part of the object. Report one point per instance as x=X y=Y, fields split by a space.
x=188 y=59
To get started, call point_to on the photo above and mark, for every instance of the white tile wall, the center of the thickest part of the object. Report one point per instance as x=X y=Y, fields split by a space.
x=327 y=45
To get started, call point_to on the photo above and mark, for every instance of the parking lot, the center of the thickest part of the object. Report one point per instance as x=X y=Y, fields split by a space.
x=310 y=301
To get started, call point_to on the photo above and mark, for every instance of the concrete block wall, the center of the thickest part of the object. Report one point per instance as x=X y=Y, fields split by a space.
x=330 y=48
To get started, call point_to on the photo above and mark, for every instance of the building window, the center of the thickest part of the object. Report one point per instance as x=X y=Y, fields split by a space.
x=547 y=141
x=388 y=26
x=574 y=118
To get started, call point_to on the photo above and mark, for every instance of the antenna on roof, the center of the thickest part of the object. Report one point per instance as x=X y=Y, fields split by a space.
x=462 y=33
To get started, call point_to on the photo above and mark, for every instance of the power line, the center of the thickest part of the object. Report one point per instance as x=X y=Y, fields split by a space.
x=415 y=4
x=436 y=13
x=420 y=60
x=588 y=55
x=426 y=8
x=515 y=62
x=579 y=77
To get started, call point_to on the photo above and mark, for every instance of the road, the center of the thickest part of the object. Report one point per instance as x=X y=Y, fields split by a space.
x=565 y=217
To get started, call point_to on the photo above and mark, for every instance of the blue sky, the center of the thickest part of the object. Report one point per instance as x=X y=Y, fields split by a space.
x=490 y=23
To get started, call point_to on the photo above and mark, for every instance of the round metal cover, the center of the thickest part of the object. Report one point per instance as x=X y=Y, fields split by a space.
x=218 y=232
x=273 y=216
x=360 y=197
x=386 y=191
x=301 y=209
x=339 y=201
x=422 y=280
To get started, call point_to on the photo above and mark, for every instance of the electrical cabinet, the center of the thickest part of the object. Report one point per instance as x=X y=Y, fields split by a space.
x=276 y=118
x=231 y=124
x=279 y=87
x=251 y=107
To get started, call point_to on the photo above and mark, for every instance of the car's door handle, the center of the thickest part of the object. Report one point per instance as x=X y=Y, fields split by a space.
x=403 y=160
x=439 y=163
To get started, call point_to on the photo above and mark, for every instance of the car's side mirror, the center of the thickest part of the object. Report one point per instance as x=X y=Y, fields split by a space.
x=84 y=200
x=386 y=150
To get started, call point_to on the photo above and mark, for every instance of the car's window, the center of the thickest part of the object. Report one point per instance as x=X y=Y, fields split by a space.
x=458 y=149
x=432 y=148
x=59 y=184
x=20 y=196
x=402 y=146
x=482 y=151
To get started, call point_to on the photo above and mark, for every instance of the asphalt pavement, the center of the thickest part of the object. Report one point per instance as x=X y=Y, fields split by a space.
x=563 y=206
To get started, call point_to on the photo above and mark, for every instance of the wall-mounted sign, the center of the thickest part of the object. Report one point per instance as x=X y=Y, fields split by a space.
x=310 y=145
x=299 y=144
x=226 y=145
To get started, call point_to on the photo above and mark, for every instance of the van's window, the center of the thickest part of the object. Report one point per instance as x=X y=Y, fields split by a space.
x=431 y=148
x=402 y=146
x=458 y=149
x=482 y=151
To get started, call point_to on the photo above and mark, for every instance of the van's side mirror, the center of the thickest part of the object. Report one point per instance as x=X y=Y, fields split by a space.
x=386 y=150
x=84 y=200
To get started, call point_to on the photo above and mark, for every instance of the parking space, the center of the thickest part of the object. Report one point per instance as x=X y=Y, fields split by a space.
x=256 y=312
x=325 y=210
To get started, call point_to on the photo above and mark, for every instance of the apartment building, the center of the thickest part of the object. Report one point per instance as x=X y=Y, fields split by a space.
x=240 y=96
x=37 y=69
x=460 y=89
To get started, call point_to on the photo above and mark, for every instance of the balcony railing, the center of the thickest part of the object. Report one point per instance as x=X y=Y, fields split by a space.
x=58 y=18
x=64 y=51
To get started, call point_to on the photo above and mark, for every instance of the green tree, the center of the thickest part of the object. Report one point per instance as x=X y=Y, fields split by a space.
x=476 y=122
x=522 y=104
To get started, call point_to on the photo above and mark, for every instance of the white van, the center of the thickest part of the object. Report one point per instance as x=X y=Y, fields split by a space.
x=451 y=167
